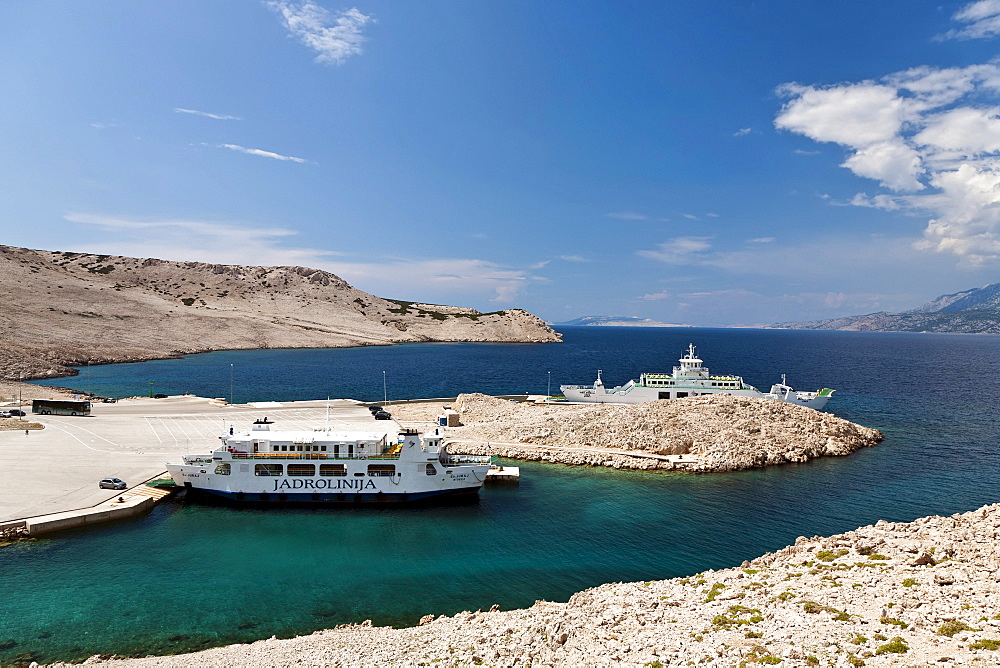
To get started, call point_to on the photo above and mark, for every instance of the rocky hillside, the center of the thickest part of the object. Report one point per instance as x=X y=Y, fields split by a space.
x=908 y=594
x=64 y=308
x=975 y=311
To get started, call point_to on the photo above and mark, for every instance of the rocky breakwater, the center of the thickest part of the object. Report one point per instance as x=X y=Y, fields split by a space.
x=914 y=594
x=715 y=433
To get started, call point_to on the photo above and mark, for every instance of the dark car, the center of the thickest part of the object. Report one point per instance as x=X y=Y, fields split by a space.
x=15 y=412
x=374 y=408
x=113 y=483
x=382 y=415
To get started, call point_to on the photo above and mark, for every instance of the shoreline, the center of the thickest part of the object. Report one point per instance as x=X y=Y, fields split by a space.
x=920 y=592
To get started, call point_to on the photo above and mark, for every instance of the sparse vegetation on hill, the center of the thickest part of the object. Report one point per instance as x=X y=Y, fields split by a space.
x=67 y=308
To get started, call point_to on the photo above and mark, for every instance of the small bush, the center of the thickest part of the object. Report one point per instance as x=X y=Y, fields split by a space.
x=952 y=627
x=877 y=557
x=714 y=591
x=896 y=646
x=830 y=555
x=909 y=582
x=896 y=622
x=986 y=643
x=858 y=640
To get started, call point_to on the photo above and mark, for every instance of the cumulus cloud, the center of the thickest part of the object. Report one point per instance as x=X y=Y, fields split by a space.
x=981 y=19
x=929 y=135
x=334 y=37
x=262 y=153
x=206 y=114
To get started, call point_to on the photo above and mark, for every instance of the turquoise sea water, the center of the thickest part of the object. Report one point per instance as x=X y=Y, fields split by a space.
x=192 y=576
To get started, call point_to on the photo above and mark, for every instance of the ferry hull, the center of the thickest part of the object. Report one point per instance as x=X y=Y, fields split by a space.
x=638 y=396
x=442 y=497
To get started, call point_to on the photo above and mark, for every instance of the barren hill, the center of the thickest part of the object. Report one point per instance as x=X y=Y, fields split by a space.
x=975 y=311
x=64 y=308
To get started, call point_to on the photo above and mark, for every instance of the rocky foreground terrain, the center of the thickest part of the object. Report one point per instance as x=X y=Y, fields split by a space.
x=893 y=594
x=63 y=309
x=721 y=432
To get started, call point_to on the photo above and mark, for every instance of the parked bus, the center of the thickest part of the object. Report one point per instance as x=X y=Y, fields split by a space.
x=59 y=407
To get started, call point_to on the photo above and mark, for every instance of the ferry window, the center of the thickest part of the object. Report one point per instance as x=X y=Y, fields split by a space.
x=431 y=470
x=323 y=448
x=284 y=448
x=301 y=469
x=381 y=469
x=332 y=470
x=300 y=448
x=359 y=474
x=222 y=469
x=267 y=469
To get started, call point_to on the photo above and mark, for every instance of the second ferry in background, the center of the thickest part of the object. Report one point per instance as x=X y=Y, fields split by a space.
x=690 y=379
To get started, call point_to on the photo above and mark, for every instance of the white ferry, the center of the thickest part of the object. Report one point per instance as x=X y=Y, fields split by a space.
x=690 y=379
x=324 y=466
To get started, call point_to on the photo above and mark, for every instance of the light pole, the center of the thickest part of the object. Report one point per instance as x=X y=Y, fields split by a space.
x=549 y=391
x=230 y=384
x=150 y=389
x=385 y=392
x=20 y=379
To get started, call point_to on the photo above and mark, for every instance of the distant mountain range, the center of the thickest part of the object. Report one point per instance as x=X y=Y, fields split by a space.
x=615 y=321
x=975 y=311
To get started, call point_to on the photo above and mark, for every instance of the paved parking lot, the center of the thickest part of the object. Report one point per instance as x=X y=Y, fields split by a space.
x=58 y=468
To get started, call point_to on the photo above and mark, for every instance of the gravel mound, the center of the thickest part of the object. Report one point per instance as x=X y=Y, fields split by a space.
x=726 y=433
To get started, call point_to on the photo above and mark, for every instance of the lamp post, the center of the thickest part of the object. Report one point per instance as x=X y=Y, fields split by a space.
x=548 y=392
x=230 y=384
x=150 y=389
x=20 y=379
x=385 y=392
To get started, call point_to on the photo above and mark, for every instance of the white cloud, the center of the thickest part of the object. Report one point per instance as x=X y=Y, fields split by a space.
x=742 y=132
x=712 y=214
x=761 y=240
x=655 y=296
x=690 y=216
x=433 y=280
x=333 y=37
x=572 y=258
x=931 y=135
x=261 y=153
x=195 y=112
x=982 y=19
x=892 y=163
x=682 y=250
x=855 y=115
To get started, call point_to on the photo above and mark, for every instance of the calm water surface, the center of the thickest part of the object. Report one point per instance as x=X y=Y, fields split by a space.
x=193 y=576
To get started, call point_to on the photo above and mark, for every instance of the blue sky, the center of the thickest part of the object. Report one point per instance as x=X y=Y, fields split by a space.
x=709 y=163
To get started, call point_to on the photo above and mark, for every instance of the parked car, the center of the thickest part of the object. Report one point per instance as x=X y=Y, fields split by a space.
x=5 y=414
x=382 y=415
x=16 y=412
x=374 y=408
x=113 y=483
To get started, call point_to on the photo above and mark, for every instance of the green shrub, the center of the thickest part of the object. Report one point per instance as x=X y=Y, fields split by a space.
x=986 y=643
x=830 y=555
x=952 y=627
x=714 y=591
x=896 y=646
x=909 y=582
x=896 y=622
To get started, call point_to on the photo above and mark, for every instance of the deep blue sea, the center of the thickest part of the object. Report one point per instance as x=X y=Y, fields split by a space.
x=193 y=576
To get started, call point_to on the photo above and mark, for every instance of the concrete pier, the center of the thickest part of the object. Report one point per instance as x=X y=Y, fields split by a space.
x=57 y=469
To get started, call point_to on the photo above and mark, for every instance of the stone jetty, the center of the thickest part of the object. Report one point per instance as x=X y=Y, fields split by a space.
x=912 y=594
